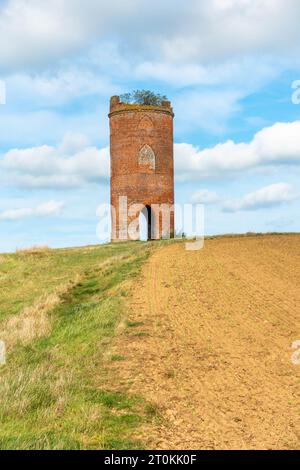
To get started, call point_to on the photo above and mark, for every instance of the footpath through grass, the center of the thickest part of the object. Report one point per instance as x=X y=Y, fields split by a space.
x=59 y=310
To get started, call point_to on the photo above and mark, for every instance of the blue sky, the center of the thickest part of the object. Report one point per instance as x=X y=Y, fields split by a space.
x=227 y=66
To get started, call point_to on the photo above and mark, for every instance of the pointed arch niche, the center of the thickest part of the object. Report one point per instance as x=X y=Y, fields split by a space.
x=146 y=124
x=147 y=158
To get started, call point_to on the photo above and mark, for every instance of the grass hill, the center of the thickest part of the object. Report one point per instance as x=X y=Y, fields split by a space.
x=147 y=345
x=58 y=314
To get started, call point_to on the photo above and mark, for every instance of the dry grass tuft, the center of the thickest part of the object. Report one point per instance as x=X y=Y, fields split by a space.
x=33 y=322
x=20 y=391
x=33 y=250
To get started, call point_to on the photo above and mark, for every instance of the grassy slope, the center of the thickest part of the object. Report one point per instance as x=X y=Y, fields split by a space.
x=54 y=389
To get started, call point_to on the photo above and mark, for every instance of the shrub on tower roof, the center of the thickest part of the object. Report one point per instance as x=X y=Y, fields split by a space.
x=144 y=97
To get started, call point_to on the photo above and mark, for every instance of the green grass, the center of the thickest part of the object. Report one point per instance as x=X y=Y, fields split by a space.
x=117 y=358
x=135 y=324
x=55 y=390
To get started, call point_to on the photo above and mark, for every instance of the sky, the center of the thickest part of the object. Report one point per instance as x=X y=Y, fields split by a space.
x=231 y=69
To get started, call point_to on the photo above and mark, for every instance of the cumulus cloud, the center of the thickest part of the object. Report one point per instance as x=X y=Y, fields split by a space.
x=47 y=209
x=74 y=162
x=204 y=196
x=209 y=110
x=70 y=164
x=221 y=29
x=34 y=32
x=54 y=53
x=232 y=73
x=266 y=197
x=59 y=87
x=272 y=146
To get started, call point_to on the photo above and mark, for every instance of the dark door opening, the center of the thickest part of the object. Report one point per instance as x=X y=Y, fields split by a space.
x=149 y=220
x=145 y=222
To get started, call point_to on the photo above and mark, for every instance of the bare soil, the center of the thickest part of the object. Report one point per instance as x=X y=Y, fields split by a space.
x=210 y=344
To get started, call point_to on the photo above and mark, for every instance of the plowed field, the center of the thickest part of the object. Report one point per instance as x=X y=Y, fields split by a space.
x=212 y=344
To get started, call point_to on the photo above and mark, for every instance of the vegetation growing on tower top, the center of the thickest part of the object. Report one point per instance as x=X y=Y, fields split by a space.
x=144 y=97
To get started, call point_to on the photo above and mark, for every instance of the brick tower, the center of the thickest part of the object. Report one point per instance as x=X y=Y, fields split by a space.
x=142 y=169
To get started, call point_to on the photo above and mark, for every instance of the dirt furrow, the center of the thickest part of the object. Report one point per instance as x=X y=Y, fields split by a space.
x=213 y=349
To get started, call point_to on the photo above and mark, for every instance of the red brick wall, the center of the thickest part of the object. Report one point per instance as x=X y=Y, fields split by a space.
x=132 y=127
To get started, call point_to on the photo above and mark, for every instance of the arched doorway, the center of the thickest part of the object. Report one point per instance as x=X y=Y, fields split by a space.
x=145 y=223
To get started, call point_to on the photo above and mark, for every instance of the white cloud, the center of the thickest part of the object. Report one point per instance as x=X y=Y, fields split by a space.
x=74 y=162
x=204 y=196
x=71 y=164
x=220 y=29
x=266 y=197
x=52 y=53
x=58 y=87
x=22 y=128
x=232 y=73
x=47 y=209
x=34 y=33
x=209 y=110
x=210 y=93
x=272 y=146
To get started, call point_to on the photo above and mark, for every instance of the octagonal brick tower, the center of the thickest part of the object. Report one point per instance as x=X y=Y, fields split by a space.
x=142 y=167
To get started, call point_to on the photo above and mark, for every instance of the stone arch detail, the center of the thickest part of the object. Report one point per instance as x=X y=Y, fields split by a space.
x=147 y=157
x=146 y=124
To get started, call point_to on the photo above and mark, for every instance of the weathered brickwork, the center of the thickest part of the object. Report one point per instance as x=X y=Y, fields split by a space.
x=142 y=163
